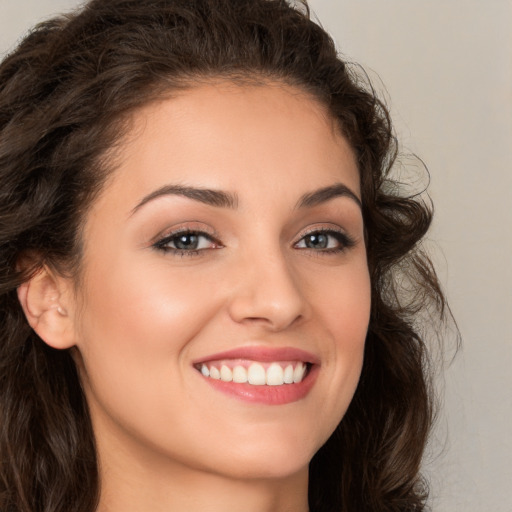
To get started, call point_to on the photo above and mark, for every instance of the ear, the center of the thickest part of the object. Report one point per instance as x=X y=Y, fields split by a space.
x=45 y=299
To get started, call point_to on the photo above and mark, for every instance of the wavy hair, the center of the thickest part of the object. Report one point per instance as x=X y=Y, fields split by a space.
x=66 y=93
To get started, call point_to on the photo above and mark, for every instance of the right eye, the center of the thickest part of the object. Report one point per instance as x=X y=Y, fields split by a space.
x=186 y=243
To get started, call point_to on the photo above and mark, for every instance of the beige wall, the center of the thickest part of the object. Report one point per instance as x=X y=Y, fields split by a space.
x=447 y=66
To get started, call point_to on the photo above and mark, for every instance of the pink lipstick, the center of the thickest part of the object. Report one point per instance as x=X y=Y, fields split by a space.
x=272 y=376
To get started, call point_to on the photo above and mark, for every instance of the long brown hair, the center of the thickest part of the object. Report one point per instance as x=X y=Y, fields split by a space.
x=65 y=94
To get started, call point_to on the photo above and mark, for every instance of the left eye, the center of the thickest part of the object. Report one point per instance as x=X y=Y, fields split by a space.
x=324 y=241
x=186 y=241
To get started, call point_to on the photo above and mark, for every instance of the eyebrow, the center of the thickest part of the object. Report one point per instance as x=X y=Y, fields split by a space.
x=325 y=194
x=211 y=197
x=222 y=199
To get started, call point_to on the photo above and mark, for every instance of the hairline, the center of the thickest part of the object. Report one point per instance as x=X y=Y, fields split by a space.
x=122 y=124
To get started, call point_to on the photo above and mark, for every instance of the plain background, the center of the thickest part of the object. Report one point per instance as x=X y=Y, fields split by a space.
x=447 y=70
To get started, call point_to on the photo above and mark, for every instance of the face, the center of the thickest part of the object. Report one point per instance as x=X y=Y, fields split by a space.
x=225 y=298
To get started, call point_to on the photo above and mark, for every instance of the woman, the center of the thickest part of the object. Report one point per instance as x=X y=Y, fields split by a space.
x=202 y=258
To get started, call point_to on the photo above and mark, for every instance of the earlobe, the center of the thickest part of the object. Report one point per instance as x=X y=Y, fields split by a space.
x=43 y=299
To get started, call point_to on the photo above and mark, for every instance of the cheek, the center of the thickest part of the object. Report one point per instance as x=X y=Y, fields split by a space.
x=351 y=323
x=135 y=327
x=344 y=312
x=343 y=303
x=145 y=307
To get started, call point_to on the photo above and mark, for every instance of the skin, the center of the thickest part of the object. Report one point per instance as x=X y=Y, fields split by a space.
x=167 y=440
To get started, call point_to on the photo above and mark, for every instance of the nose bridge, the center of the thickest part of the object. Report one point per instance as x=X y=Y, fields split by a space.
x=266 y=289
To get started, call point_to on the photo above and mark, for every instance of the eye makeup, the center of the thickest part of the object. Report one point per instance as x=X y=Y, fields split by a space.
x=325 y=240
x=186 y=241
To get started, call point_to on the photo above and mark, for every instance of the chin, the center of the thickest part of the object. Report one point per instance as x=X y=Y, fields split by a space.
x=267 y=468
x=277 y=457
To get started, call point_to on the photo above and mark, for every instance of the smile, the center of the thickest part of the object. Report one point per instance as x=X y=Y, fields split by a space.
x=256 y=373
x=264 y=375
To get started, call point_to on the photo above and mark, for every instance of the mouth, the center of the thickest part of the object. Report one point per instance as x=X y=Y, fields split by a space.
x=263 y=375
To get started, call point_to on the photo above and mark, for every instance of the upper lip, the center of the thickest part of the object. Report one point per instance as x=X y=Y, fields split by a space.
x=263 y=354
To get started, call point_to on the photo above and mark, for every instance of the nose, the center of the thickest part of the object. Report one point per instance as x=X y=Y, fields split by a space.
x=266 y=292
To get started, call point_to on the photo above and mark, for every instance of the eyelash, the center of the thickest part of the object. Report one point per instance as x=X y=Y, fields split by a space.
x=163 y=244
x=343 y=240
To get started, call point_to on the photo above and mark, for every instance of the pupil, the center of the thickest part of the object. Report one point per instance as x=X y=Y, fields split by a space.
x=317 y=241
x=187 y=241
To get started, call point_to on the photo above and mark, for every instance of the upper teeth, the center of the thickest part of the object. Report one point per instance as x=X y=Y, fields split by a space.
x=255 y=373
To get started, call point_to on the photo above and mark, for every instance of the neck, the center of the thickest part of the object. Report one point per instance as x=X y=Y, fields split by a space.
x=203 y=493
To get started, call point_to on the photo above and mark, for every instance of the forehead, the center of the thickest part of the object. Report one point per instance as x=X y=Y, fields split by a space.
x=230 y=136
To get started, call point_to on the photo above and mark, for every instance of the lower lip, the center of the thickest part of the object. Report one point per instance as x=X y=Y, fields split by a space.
x=268 y=395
